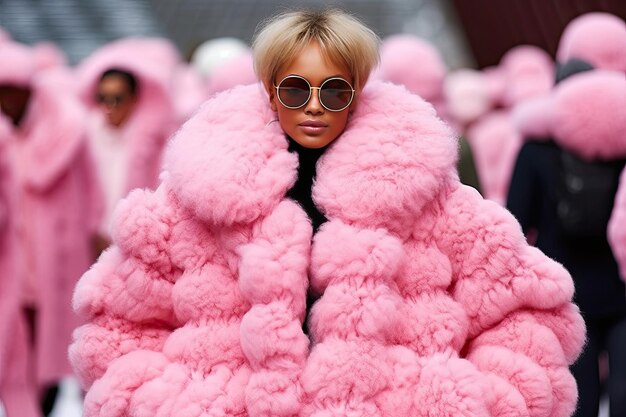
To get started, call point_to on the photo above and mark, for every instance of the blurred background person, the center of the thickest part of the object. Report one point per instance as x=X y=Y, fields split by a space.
x=524 y=72
x=127 y=87
x=18 y=390
x=223 y=64
x=56 y=212
x=564 y=187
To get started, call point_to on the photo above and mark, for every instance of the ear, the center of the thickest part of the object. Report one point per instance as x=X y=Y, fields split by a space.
x=271 y=92
x=355 y=102
x=273 y=104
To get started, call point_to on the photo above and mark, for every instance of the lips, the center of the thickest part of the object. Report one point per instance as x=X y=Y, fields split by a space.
x=313 y=123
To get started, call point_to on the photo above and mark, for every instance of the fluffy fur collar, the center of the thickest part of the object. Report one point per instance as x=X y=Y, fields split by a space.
x=229 y=163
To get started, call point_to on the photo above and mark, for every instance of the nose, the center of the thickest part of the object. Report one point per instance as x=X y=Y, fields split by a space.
x=314 y=107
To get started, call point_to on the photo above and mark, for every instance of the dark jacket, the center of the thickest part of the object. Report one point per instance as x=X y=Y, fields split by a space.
x=533 y=199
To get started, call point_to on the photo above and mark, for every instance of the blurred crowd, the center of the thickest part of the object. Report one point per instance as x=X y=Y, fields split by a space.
x=74 y=140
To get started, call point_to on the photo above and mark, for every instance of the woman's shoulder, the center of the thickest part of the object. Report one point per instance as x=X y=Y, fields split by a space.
x=393 y=159
x=229 y=163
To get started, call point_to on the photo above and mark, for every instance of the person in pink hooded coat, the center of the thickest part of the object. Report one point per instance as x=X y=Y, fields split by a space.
x=597 y=38
x=56 y=207
x=526 y=72
x=128 y=145
x=430 y=300
x=18 y=393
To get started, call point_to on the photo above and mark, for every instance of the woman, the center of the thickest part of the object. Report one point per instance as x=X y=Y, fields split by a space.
x=430 y=299
x=127 y=87
x=55 y=211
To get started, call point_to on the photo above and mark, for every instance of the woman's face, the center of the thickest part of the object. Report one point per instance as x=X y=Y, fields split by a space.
x=311 y=125
x=116 y=99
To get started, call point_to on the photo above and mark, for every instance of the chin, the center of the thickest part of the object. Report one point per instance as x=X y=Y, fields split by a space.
x=312 y=142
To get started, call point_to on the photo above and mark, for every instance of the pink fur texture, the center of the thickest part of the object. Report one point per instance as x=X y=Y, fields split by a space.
x=199 y=306
x=496 y=83
x=532 y=118
x=49 y=55
x=528 y=72
x=238 y=70
x=495 y=143
x=189 y=91
x=598 y=38
x=23 y=63
x=467 y=97
x=617 y=227
x=414 y=63
x=588 y=114
x=18 y=392
x=431 y=300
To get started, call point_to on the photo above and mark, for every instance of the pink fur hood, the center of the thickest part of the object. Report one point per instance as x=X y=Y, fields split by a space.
x=430 y=296
x=52 y=120
x=598 y=38
x=584 y=114
x=153 y=62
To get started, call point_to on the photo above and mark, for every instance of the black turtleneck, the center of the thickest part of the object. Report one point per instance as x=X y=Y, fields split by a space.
x=301 y=190
x=301 y=193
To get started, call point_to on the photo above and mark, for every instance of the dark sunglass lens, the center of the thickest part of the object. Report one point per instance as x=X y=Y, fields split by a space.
x=336 y=94
x=293 y=92
x=111 y=100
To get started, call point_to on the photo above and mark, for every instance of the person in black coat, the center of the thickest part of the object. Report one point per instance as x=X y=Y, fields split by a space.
x=535 y=196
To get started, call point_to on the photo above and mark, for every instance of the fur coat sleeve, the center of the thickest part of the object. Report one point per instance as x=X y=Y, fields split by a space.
x=523 y=331
x=126 y=295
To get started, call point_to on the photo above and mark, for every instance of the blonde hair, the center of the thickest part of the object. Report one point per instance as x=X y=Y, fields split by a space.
x=342 y=38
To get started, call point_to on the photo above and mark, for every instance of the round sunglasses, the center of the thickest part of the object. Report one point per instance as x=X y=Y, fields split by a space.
x=294 y=91
x=111 y=100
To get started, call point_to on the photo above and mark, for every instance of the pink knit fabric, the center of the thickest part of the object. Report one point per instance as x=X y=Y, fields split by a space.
x=431 y=300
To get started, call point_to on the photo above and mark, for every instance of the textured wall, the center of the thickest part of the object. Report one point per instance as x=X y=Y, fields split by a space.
x=79 y=26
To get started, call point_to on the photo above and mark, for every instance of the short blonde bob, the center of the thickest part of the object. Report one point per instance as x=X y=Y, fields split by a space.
x=343 y=40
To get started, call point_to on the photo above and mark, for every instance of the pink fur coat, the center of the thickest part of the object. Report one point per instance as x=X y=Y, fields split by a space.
x=49 y=208
x=431 y=301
